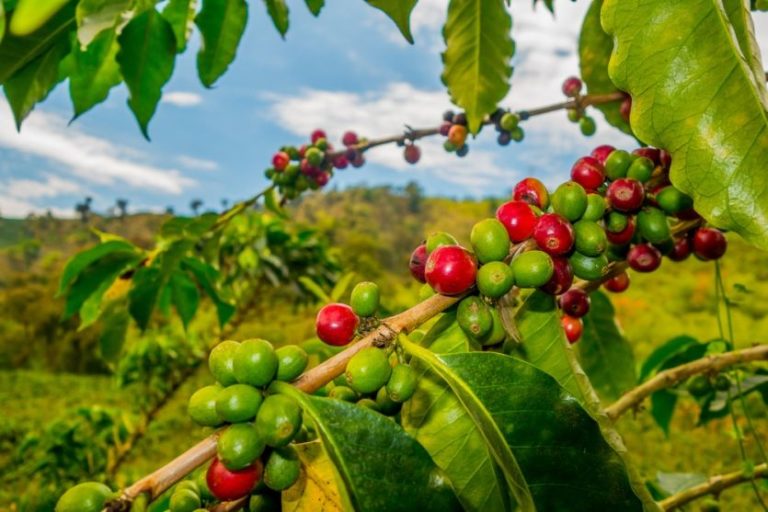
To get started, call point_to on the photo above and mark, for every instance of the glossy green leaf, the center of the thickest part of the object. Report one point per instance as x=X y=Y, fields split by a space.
x=81 y=260
x=477 y=56
x=399 y=11
x=705 y=85
x=30 y=15
x=605 y=354
x=538 y=323
x=16 y=52
x=540 y=437
x=206 y=277
x=147 y=282
x=95 y=72
x=664 y=352
x=315 y=6
x=146 y=57
x=95 y=16
x=3 y=22
x=595 y=48
x=185 y=296
x=445 y=336
x=278 y=12
x=380 y=467
x=181 y=15
x=34 y=82
x=221 y=24
x=112 y=339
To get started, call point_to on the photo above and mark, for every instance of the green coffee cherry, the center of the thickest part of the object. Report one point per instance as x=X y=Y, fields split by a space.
x=699 y=386
x=184 y=500
x=266 y=502
x=314 y=156
x=573 y=115
x=616 y=222
x=722 y=383
x=279 y=420
x=291 y=362
x=221 y=362
x=202 y=484
x=368 y=370
x=641 y=169
x=474 y=317
x=402 y=383
x=595 y=208
x=653 y=226
x=617 y=164
x=590 y=268
x=490 y=240
x=532 y=269
x=188 y=484
x=282 y=468
x=617 y=252
x=202 y=406
x=239 y=445
x=672 y=201
x=509 y=121
x=497 y=333
x=589 y=238
x=439 y=239
x=495 y=279
x=365 y=299
x=587 y=126
x=368 y=403
x=238 y=402
x=85 y=497
x=517 y=134
x=386 y=405
x=570 y=201
x=344 y=393
x=255 y=363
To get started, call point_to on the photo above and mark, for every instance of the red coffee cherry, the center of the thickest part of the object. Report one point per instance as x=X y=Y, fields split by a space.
x=340 y=162
x=588 y=172
x=709 y=243
x=575 y=302
x=553 y=234
x=228 y=485
x=336 y=324
x=418 y=262
x=681 y=250
x=451 y=270
x=618 y=283
x=562 y=277
x=518 y=218
x=652 y=154
x=601 y=153
x=572 y=327
x=349 y=138
x=317 y=135
x=322 y=178
x=572 y=86
x=532 y=191
x=412 y=153
x=626 y=195
x=280 y=161
x=644 y=258
x=624 y=236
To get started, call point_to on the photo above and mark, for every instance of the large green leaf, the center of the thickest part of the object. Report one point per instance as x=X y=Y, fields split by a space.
x=181 y=15
x=543 y=338
x=146 y=57
x=206 y=277
x=549 y=448
x=595 y=48
x=81 y=260
x=147 y=283
x=476 y=59
x=185 y=296
x=699 y=92
x=605 y=354
x=399 y=11
x=278 y=12
x=112 y=339
x=34 y=82
x=315 y=6
x=380 y=467
x=221 y=23
x=95 y=72
x=95 y=16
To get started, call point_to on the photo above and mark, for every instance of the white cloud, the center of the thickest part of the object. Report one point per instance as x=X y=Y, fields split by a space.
x=182 y=98
x=199 y=164
x=30 y=189
x=90 y=159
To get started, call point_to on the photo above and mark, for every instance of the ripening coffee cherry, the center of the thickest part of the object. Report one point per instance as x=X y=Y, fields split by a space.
x=625 y=195
x=365 y=298
x=653 y=225
x=221 y=362
x=490 y=240
x=532 y=191
x=439 y=239
x=624 y=236
x=572 y=86
x=562 y=277
x=282 y=468
x=573 y=328
x=255 y=362
x=617 y=164
x=600 y=153
x=588 y=173
x=336 y=324
x=641 y=169
x=673 y=201
x=202 y=406
x=518 y=218
x=590 y=268
x=451 y=270
x=617 y=283
x=589 y=238
x=368 y=370
x=553 y=234
x=495 y=279
x=238 y=402
x=626 y=108
x=532 y=269
x=474 y=317
x=509 y=121
x=418 y=262
x=279 y=420
x=596 y=206
x=292 y=360
x=644 y=258
x=457 y=135
x=226 y=485
x=570 y=201
x=239 y=445
x=587 y=126
x=681 y=249
x=575 y=302
x=349 y=138
x=709 y=243
x=411 y=153
x=280 y=161
x=445 y=128
x=652 y=154
x=85 y=497
x=402 y=383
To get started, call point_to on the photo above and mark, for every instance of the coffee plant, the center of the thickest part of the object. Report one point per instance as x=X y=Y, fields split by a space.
x=500 y=389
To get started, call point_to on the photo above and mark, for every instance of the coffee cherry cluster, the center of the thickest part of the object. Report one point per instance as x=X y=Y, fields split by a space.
x=337 y=324
x=255 y=447
x=311 y=166
x=454 y=129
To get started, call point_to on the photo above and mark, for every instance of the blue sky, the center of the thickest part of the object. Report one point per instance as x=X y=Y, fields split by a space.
x=347 y=69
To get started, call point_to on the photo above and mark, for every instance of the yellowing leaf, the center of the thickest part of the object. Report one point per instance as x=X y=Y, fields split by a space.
x=316 y=490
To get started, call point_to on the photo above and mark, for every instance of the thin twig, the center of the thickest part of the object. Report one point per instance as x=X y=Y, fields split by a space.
x=714 y=485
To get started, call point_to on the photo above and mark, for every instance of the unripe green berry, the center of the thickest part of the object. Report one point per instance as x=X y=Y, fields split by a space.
x=641 y=169
x=202 y=406
x=595 y=208
x=532 y=269
x=474 y=317
x=184 y=500
x=495 y=279
x=590 y=268
x=385 y=404
x=570 y=201
x=617 y=164
x=653 y=225
x=438 y=239
x=497 y=334
x=343 y=393
x=282 y=468
x=238 y=402
x=255 y=362
x=509 y=121
x=402 y=383
x=490 y=240
x=589 y=238
x=278 y=420
x=365 y=299
x=673 y=201
x=616 y=222
x=587 y=126
x=368 y=370
x=221 y=362
x=291 y=362
x=239 y=445
x=517 y=135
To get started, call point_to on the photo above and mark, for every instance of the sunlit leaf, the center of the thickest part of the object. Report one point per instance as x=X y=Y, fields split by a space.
x=185 y=296
x=315 y=6
x=81 y=260
x=400 y=12
x=278 y=12
x=181 y=15
x=316 y=488
x=221 y=24
x=95 y=72
x=95 y=16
